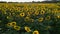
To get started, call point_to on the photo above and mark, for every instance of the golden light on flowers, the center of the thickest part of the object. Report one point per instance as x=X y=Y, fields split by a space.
x=22 y=14
x=17 y=28
x=47 y=18
x=42 y=12
x=40 y=19
x=27 y=29
x=35 y=32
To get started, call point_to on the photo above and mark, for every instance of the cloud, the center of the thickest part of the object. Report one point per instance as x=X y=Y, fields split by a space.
x=20 y=0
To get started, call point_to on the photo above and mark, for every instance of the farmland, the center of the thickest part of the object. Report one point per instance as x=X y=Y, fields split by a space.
x=29 y=18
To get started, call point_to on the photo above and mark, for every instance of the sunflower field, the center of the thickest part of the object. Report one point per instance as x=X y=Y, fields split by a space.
x=26 y=18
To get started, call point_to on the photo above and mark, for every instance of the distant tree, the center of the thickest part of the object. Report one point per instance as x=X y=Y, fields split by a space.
x=54 y=0
x=33 y=1
x=38 y=1
x=2 y=1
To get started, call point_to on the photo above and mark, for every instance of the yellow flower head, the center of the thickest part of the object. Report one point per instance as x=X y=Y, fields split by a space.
x=13 y=23
x=27 y=18
x=42 y=12
x=35 y=32
x=22 y=14
x=28 y=13
x=40 y=19
x=36 y=12
x=9 y=24
x=47 y=18
x=25 y=8
x=58 y=16
x=27 y=29
x=17 y=28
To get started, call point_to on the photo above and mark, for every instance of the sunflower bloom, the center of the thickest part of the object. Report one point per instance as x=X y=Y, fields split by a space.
x=35 y=32
x=58 y=16
x=27 y=29
x=22 y=14
x=47 y=18
x=40 y=19
x=13 y=23
x=36 y=12
x=28 y=13
x=27 y=18
x=17 y=28
x=42 y=12
x=9 y=24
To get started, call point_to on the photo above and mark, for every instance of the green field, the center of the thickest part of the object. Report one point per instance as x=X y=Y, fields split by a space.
x=29 y=18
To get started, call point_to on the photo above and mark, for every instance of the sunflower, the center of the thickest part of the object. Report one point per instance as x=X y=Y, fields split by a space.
x=27 y=29
x=22 y=14
x=28 y=13
x=36 y=13
x=27 y=18
x=42 y=12
x=17 y=28
x=8 y=24
x=26 y=8
x=47 y=18
x=35 y=32
x=58 y=16
x=40 y=19
x=13 y=23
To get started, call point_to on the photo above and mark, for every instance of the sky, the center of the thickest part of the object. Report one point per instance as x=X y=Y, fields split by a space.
x=20 y=0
